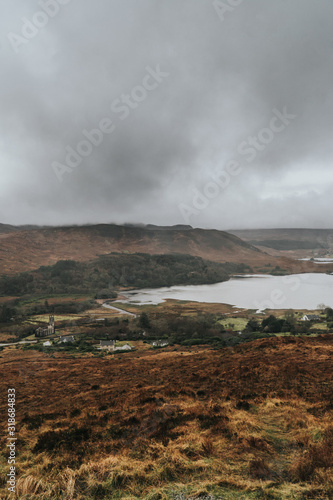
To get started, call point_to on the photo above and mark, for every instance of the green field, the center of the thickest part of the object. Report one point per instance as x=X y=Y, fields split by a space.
x=237 y=324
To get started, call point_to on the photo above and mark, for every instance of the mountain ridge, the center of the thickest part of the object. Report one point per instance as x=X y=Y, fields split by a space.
x=25 y=249
x=296 y=242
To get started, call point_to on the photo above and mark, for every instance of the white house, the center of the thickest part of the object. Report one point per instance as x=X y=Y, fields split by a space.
x=310 y=317
x=160 y=343
x=66 y=339
x=110 y=345
x=107 y=344
x=125 y=347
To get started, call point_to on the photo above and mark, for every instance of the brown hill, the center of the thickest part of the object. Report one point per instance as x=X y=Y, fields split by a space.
x=292 y=242
x=250 y=422
x=22 y=249
x=7 y=228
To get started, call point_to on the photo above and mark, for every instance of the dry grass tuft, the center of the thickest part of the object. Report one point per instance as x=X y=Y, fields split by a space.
x=315 y=457
x=259 y=469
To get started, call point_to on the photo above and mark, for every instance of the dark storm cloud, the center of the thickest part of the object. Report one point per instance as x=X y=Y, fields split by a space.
x=222 y=80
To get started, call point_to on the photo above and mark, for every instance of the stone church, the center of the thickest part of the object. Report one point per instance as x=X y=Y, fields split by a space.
x=48 y=330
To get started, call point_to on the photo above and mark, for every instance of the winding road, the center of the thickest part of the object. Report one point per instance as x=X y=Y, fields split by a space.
x=21 y=342
x=122 y=311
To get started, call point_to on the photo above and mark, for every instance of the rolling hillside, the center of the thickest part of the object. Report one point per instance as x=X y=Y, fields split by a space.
x=22 y=250
x=7 y=228
x=293 y=242
x=250 y=422
x=27 y=249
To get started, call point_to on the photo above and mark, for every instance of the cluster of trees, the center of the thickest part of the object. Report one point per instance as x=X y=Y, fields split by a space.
x=17 y=332
x=113 y=270
x=80 y=345
x=16 y=311
x=287 y=324
x=271 y=325
x=207 y=329
x=106 y=293
x=187 y=330
x=196 y=330
x=6 y=313
x=60 y=308
x=329 y=316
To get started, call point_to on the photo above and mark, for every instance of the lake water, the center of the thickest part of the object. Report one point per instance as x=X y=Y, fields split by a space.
x=297 y=291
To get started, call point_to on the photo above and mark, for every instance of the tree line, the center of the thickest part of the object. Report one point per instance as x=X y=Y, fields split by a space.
x=108 y=272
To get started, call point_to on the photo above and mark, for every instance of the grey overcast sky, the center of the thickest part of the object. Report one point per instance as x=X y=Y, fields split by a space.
x=217 y=114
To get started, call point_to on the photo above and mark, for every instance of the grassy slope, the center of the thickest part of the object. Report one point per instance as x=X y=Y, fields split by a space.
x=303 y=240
x=247 y=422
x=29 y=249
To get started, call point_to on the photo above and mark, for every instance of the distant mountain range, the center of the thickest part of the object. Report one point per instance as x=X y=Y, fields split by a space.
x=7 y=228
x=310 y=241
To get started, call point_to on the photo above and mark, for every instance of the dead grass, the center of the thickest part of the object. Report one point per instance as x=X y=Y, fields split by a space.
x=247 y=422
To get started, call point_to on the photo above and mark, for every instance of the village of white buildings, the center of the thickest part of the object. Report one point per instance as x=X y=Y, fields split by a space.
x=104 y=345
